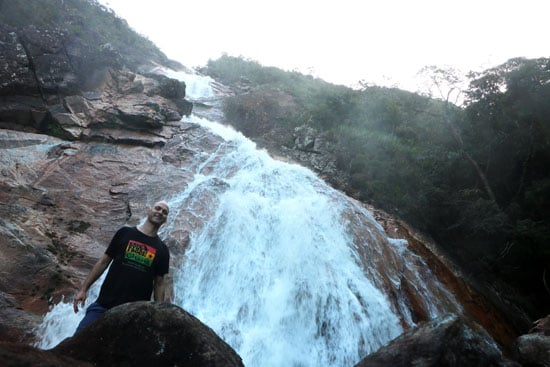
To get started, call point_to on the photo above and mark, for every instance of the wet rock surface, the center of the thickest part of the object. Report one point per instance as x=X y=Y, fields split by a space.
x=533 y=349
x=61 y=203
x=444 y=342
x=148 y=334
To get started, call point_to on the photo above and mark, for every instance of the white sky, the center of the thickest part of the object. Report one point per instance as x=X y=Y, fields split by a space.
x=385 y=42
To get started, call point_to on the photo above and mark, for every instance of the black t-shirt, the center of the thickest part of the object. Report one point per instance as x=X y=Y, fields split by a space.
x=137 y=260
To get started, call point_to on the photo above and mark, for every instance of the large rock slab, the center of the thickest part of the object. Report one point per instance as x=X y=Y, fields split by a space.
x=445 y=342
x=149 y=334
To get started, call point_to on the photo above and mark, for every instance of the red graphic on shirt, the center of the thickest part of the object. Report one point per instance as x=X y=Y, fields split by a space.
x=140 y=253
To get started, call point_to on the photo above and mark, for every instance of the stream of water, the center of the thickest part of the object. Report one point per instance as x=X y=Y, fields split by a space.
x=275 y=270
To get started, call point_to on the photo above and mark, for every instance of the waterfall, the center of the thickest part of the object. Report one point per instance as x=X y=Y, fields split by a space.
x=285 y=269
x=272 y=271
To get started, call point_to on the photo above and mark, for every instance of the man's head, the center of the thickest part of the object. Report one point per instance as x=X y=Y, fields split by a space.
x=158 y=213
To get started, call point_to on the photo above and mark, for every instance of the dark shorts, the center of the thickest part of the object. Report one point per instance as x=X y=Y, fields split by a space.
x=93 y=312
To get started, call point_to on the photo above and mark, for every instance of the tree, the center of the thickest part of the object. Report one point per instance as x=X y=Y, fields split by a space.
x=449 y=86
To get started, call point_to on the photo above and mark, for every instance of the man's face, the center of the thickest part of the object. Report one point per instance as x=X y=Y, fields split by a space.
x=158 y=213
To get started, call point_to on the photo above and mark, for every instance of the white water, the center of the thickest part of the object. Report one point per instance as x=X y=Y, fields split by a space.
x=274 y=270
x=198 y=87
x=273 y=273
x=61 y=321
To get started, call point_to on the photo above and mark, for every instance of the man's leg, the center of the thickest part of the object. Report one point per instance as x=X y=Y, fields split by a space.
x=93 y=312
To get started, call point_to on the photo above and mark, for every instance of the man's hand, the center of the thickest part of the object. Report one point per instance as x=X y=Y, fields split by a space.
x=95 y=273
x=79 y=298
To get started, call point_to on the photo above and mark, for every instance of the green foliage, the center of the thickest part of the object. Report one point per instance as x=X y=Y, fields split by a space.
x=233 y=70
x=476 y=178
x=87 y=20
x=279 y=99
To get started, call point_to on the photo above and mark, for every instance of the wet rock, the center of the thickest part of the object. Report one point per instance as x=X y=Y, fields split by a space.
x=149 y=334
x=63 y=201
x=30 y=273
x=15 y=324
x=533 y=349
x=21 y=355
x=445 y=342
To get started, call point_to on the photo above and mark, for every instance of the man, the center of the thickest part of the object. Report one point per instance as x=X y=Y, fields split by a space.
x=140 y=260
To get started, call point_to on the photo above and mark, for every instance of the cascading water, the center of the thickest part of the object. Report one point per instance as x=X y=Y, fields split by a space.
x=272 y=271
x=285 y=269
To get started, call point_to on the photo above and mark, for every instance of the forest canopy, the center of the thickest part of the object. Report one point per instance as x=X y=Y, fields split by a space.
x=474 y=176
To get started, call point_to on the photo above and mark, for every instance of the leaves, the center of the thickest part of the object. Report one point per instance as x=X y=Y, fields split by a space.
x=475 y=177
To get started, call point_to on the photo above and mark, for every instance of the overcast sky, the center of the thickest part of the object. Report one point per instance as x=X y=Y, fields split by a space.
x=385 y=42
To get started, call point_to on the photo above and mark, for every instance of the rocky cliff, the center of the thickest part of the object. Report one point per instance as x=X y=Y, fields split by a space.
x=77 y=118
x=89 y=137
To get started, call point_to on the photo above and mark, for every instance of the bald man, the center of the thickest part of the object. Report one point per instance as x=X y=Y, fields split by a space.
x=140 y=261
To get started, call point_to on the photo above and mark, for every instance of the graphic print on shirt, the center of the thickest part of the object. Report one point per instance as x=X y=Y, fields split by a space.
x=139 y=255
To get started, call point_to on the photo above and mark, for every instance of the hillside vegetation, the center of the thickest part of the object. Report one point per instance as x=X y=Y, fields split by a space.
x=87 y=20
x=475 y=177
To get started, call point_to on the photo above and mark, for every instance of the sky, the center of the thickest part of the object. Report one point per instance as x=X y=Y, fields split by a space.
x=382 y=42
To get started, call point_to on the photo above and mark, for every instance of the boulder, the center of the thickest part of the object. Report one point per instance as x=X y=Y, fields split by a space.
x=533 y=349
x=148 y=334
x=444 y=342
x=20 y=355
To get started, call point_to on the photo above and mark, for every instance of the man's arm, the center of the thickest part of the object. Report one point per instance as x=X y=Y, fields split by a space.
x=95 y=273
x=160 y=288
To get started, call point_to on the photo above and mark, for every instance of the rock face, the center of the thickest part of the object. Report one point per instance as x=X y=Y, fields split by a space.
x=62 y=202
x=73 y=120
x=16 y=324
x=533 y=349
x=149 y=334
x=53 y=83
x=444 y=342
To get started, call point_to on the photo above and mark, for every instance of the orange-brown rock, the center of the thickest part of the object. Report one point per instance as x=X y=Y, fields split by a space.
x=61 y=204
x=477 y=307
